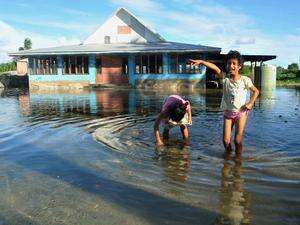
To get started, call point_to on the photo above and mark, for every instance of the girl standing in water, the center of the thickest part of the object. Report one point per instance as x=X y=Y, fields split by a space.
x=234 y=101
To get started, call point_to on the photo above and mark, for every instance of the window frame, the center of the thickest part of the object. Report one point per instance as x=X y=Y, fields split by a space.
x=143 y=64
x=43 y=65
x=70 y=64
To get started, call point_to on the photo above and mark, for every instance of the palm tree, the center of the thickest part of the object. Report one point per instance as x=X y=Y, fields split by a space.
x=27 y=45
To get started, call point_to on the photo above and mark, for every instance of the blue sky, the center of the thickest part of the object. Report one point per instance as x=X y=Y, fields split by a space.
x=250 y=26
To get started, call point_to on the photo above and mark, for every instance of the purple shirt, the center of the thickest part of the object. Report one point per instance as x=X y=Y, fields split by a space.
x=171 y=101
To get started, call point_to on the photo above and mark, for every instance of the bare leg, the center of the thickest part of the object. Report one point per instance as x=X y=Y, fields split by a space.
x=227 y=128
x=239 y=131
x=185 y=133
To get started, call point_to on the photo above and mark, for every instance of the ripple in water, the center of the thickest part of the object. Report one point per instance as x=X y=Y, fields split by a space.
x=83 y=147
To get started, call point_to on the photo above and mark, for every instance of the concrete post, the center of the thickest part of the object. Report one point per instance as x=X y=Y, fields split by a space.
x=252 y=75
x=59 y=65
x=132 y=101
x=131 y=70
x=92 y=69
x=93 y=103
x=165 y=61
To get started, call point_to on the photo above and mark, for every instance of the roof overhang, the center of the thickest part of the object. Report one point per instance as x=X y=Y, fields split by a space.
x=132 y=48
x=220 y=58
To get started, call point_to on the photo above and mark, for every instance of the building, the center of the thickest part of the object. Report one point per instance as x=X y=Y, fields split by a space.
x=122 y=51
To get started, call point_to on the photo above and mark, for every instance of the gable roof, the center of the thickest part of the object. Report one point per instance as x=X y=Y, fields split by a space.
x=123 y=17
x=149 y=41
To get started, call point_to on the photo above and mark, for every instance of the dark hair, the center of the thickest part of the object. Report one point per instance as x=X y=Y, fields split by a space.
x=177 y=111
x=233 y=54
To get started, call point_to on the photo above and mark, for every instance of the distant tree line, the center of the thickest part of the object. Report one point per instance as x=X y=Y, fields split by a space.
x=291 y=73
x=12 y=66
x=246 y=70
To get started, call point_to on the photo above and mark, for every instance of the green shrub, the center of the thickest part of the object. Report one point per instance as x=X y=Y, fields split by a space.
x=5 y=67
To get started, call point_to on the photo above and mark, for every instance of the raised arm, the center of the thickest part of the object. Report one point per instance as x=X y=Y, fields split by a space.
x=158 y=120
x=209 y=65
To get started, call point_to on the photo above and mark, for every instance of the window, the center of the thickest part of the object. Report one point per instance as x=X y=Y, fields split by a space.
x=75 y=65
x=125 y=65
x=106 y=39
x=124 y=30
x=179 y=64
x=148 y=64
x=98 y=64
x=43 y=66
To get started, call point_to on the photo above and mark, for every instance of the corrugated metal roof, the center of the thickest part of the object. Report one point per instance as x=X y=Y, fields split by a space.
x=220 y=58
x=118 y=49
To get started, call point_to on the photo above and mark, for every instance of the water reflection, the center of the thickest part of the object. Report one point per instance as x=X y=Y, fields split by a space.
x=175 y=161
x=49 y=151
x=234 y=202
x=213 y=99
x=103 y=103
x=67 y=103
x=266 y=99
x=24 y=103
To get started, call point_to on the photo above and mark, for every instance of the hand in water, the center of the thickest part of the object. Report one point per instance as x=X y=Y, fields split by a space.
x=159 y=143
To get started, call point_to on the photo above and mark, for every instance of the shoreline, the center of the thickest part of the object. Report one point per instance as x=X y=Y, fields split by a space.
x=288 y=83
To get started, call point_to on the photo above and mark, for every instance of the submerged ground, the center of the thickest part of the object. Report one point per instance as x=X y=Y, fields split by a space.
x=88 y=157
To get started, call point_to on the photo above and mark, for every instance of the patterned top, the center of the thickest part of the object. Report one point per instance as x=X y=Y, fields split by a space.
x=235 y=92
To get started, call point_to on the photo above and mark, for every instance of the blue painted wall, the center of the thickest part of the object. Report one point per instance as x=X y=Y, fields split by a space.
x=92 y=69
x=53 y=78
x=131 y=70
x=59 y=65
x=91 y=77
x=171 y=76
x=132 y=77
x=164 y=76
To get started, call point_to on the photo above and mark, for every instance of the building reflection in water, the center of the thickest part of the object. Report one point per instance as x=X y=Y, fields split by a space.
x=175 y=162
x=24 y=104
x=234 y=202
x=103 y=103
x=213 y=98
x=266 y=99
x=74 y=103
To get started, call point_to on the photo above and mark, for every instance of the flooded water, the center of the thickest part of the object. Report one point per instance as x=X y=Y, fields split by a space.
x=88 y=157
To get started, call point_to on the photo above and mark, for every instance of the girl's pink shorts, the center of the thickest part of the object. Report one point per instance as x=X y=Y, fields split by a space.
x=231 y=115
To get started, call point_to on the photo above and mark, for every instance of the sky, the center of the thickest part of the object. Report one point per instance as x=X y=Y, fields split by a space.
x=250 y=26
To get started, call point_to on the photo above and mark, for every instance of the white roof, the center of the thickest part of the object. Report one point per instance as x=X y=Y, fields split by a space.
x=118 y=49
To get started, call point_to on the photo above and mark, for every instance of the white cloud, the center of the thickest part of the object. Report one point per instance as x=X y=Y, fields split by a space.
x=245 y=41
x=54 y=24
x=209 y=23
x=11 y=39
x=76 y=12
x=195 y=21
x=142 y=6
